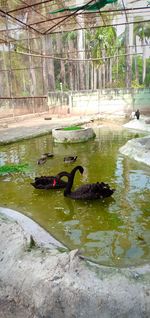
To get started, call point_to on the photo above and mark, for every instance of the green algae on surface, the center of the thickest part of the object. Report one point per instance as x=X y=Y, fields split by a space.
x=114 y=231
x=13 y=168
x=72 y=128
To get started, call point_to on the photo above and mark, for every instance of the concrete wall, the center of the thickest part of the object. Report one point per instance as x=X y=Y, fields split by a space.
x=13 y=107
x=109 y=101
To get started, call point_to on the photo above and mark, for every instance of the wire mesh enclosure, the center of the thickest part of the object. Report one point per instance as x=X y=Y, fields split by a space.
x=70 y=45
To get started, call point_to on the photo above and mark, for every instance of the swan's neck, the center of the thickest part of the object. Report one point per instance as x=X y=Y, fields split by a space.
x=70 y=181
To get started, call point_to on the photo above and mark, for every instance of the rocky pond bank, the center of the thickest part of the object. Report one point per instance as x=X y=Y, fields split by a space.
x=46 y=280
x=41 y=278
x=138 y=148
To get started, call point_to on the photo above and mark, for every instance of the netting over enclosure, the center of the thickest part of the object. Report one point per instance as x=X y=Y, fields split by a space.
x=71 y=45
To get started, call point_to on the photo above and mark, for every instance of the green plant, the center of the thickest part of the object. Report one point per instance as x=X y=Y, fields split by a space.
x=72 y=128
x=13 y=168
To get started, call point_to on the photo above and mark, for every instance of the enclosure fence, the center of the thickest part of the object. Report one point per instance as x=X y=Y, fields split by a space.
x=18 y=106
x=77 y=102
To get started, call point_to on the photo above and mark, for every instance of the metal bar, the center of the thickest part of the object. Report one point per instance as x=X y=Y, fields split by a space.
x=22 y=97
x=9 y=15
x=37 y=11
x=84 y=13
x=103 y=26
x=21 y=69
x=70 y=15
x=29 y=6
x=75 y=60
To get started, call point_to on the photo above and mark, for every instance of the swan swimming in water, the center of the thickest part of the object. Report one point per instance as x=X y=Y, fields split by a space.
x=90 y=191
x=50 y=182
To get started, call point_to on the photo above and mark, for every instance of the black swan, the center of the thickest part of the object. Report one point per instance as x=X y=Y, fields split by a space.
x=50 y=182
x=91 y=191
x=70 y=159
x=137 y=114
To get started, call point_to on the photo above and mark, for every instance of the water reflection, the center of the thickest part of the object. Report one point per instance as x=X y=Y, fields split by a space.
x=113 y=231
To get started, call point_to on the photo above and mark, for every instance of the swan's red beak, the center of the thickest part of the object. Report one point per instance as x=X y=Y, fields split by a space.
x=54 y=182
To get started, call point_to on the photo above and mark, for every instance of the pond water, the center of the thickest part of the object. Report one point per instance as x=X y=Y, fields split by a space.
x=114 y=231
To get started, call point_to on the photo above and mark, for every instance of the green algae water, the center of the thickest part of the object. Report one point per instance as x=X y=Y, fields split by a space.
x=114 y=231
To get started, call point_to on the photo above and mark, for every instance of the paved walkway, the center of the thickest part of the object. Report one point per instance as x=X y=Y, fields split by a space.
x=25 y=129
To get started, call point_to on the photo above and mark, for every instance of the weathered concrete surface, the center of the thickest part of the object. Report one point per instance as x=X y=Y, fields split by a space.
x=72 y=136
x=43 y=238
x=141 y=124
x=38 y=126
x=44 y=283
x=138 y=148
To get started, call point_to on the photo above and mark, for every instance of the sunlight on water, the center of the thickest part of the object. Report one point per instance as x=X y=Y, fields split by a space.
x=114 y=231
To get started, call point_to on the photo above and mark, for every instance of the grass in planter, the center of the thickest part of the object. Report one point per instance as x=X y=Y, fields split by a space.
x=73 y=128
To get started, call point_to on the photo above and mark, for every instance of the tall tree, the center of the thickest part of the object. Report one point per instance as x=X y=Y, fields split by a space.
x=142 y=30
x=127 y=58
x=103 y=44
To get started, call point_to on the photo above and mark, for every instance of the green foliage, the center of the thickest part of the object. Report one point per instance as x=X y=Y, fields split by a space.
x=102 y=43
x=147 y=78
x=73 y=128
x=71 y=36
x=135 y=84
x=140 y=68
x=142 y=29
x=13 y=168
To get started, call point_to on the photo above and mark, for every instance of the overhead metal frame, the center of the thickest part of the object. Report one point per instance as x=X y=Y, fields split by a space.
x=37 y=19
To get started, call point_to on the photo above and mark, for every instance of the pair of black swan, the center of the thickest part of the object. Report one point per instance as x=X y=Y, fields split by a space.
x=91 y=191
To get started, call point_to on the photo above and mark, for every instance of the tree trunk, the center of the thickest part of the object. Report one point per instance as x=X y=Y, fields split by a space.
x=87 y=75
x=92 y=76
x=100 y=77
x=32 y=72
x=7 y=82
x=81 y=47
x=62 y=63
x=50 y=65
x=110 y=72
x=95 y=77
x=70 y=64
x=81 y=56
x=128 y=77
x=136 y=63
x=144 y=60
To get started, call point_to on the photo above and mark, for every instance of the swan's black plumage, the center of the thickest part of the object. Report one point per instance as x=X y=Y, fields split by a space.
x=91 y=191
x=50 y=182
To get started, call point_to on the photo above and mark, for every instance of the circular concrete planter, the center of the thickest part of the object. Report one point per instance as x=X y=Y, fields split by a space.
x=72 y=136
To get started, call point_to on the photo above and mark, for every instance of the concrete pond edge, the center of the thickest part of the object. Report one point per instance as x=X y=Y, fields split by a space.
x=44 y=279
x=72 y=136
